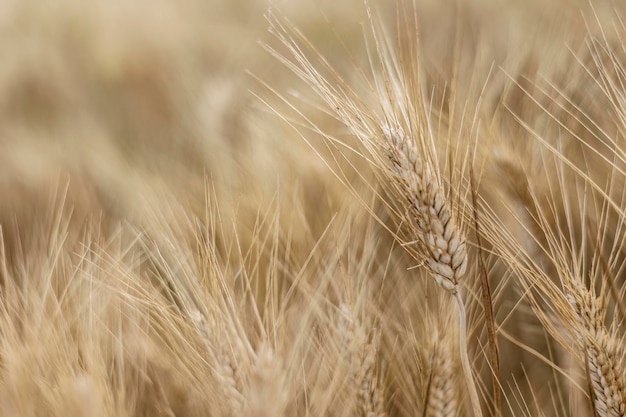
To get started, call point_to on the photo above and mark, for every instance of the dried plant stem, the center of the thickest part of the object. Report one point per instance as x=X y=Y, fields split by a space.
x=465 y=362
x=494 y=356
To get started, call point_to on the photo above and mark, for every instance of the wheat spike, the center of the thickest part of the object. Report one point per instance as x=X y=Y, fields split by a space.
x=266 y=395
x=369 y=391
x=442 y=395
x=603 y=355
x=442 y=242
x=362 y=351
x=225 y=364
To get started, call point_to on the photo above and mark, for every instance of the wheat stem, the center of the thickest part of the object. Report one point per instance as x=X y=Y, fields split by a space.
x=494 y=356
x=465 y=362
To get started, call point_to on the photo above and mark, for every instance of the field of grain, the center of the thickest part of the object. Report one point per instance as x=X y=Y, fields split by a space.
x=312 y=208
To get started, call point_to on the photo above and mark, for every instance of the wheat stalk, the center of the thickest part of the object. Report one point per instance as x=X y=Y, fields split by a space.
x=441 y=243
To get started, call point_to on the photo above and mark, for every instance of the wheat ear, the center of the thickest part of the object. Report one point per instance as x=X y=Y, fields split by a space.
x=441 y=392
x=224 y=361
x=369 y=390
x=441 y=243
x=440 y=239
x=362 y=345
x=267 y=394
x=603 y=355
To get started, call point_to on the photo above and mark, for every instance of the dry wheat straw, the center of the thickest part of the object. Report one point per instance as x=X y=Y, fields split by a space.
x=487 y=302
x=603 y=354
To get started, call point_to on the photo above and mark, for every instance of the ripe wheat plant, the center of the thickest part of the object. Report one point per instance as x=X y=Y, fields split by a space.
x=358 y=208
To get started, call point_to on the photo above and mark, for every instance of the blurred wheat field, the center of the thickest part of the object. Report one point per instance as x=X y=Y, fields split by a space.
x=350 y=208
